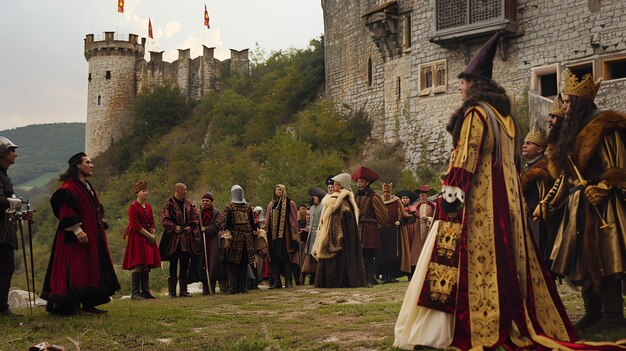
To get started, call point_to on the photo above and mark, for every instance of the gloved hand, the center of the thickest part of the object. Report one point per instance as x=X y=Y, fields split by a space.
x=597 y=193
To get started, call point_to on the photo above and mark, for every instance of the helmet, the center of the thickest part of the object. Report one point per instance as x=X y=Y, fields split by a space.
x=5 y=146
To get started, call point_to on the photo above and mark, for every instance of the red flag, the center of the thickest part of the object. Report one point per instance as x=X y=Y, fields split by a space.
x=120 y=6
x=206 y=17
x=150 y=28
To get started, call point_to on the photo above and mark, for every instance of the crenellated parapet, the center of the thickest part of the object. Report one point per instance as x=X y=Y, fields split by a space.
x=118 y=72
x=111 y=47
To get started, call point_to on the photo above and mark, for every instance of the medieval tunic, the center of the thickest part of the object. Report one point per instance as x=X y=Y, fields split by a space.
x=394 y=255
x=315 y=213
x=599 y=154
x=424 y=211
x=373 y=216
x=281 y=224
x=535 y=182
x=172 y=215
x=78 y=273
x=212 y=221
x=337 y=247
x=138 y=250
x=238 y=219
x=479 y=281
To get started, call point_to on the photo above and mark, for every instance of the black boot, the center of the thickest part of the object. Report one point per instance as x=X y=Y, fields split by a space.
x=612 y=321
x=242 y=275
x=277 y=283
x=135 y=293
x=223 y=286
x=171 y=286
x=369 y=273
x=593 y=309
x=205 y=287
x=183 y=288
x=288 y=275
x=233 y=282
x=145 y=285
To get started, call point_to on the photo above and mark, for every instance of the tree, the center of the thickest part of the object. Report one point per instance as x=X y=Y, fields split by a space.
x=157 y=110
x=325 y=129
x=287 y=160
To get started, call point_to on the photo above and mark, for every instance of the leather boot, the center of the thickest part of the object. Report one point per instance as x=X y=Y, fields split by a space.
x=205 y=287
x=369 y=273
x=223 y=286
x=612 y=320
x=233 y=281
x=135 y=293
x=183 y=288
x=277 y=283
x=171 y=286
x=288 y=275
x=242 y=274
x=593 y=309
x=145 y=285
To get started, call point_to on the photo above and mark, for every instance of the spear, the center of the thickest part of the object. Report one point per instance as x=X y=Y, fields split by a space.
x=584 y=184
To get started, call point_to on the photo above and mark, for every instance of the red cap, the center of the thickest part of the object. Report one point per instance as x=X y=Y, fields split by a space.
x=365 y=173
x=423 y=189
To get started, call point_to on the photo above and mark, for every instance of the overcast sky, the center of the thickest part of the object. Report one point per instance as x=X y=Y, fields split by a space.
x=43 y=71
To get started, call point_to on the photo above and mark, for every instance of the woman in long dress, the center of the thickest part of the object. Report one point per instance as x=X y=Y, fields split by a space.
x=142 y=252
x=337 y=246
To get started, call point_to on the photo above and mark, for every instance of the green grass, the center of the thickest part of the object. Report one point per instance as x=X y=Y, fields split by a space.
x=301 y=318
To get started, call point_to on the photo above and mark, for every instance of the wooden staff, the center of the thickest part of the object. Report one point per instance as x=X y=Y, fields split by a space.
x=206 y=259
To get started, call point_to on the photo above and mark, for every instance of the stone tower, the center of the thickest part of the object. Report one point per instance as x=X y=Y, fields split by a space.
x=112 y=88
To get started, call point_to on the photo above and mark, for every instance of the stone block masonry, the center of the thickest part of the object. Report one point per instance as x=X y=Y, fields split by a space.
x=118 y=72
x=389 y=85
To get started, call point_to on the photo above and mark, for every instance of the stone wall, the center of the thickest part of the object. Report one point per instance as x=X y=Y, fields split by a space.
x=111 y=89
x=110 y=100
x=549 y=33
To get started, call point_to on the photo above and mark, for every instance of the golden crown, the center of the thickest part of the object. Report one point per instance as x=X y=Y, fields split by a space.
x=557 y=107
x=586 y=88
x=537 y=135
x=387 y=187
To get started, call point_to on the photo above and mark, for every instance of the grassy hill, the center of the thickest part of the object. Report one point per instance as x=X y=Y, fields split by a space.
x=43 y=151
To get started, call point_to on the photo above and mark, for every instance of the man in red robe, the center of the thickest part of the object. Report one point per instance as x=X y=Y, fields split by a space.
x=80 y=271
x=372 y=217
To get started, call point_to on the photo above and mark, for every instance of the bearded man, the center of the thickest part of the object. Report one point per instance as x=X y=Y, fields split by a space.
x=590 y=249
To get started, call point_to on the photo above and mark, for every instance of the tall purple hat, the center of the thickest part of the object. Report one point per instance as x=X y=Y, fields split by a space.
x=481 y=65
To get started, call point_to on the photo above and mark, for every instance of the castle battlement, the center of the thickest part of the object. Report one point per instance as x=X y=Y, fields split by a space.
x=118 y=72
x=109 y=46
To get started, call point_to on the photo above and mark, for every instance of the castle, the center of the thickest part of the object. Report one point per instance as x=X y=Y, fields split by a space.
x=118 y=72
x=398 y=60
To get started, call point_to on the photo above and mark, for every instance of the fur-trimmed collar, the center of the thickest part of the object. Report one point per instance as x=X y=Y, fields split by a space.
x=538 y=171
x=333 y=201
x=500 y=102
x=591 y=135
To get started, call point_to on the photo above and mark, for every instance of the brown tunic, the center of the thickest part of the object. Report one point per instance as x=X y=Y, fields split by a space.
x=372 y=216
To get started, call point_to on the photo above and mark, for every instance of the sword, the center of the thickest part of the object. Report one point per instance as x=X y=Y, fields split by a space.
x=584 y=184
